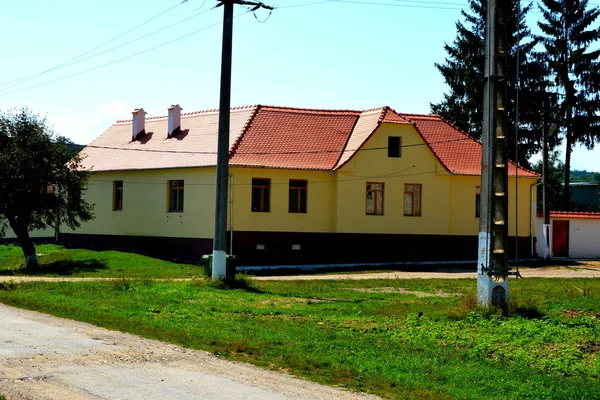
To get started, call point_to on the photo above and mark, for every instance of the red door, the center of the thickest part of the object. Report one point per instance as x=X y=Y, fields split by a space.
x=560 y=238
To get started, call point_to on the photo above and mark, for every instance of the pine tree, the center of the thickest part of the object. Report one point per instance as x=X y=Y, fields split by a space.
x=569 y=40
x=463 y=71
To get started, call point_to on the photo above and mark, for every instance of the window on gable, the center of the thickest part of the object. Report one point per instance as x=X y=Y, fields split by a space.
x=478 y=202
x=261 y=193
x=374 y=198
x=412 y=200
x=117 y=195
x=394 y=146
x=176 y=196
x=297 y=196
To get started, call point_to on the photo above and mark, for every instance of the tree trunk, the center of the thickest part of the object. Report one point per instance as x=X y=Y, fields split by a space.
x=22 y=232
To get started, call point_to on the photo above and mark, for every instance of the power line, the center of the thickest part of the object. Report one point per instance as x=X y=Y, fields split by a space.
x=120 y=59
x=397 y=174
x=76 y=61
x=27 y=78
x=362 y=2
x=275 y=152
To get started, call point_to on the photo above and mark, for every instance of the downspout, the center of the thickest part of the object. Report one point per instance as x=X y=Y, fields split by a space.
x=57 y=218
x=531 y=212
x=230 y=214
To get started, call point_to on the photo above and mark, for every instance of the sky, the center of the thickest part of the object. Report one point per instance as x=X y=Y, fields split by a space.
x=83 y=65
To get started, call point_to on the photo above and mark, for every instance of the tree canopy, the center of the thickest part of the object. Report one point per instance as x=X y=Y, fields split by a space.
x=41 y=182
x=571 y=54
x=463 y=71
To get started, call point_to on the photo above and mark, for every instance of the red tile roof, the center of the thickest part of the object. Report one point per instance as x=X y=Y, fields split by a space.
x=275 y=137
x=293 y=138
x=367 y=124
x=458 y=152
x=574 y=215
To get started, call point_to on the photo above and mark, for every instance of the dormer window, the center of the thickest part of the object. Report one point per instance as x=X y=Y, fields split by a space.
x=394 y=146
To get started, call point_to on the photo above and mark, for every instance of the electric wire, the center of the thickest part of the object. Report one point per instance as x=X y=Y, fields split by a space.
x=120 y=59
x=64 y=65
x=299 y=152
x=29 y=77
x=387 y=176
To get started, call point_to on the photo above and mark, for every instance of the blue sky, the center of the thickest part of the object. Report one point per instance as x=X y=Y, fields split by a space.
x=308 y=53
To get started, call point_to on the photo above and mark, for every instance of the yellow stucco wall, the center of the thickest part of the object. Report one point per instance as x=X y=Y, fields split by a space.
x=336 y=201
x=145 y=204
x=447 y=201
x=320 y=201
x=416 y=166
x=462 y=200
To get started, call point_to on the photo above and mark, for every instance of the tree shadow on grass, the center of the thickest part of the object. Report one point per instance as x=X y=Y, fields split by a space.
x=60 y=267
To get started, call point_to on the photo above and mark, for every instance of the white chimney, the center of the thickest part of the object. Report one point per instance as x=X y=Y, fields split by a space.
x=139 y=122
x=174 y=120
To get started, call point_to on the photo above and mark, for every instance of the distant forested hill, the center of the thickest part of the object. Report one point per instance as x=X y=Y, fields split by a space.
x=584 y=176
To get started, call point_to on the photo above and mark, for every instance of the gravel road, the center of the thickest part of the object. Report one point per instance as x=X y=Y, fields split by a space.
x=48 y=358
x=583 y=269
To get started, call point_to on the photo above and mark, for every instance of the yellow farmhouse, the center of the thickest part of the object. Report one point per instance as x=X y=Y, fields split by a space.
x=306 y=186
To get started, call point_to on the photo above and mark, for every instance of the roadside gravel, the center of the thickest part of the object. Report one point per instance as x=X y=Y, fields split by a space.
x=47 y=358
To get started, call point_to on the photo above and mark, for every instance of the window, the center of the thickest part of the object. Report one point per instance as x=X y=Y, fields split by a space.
x=261 y=193
x=117 y=195
x=374 y=198
x=477 y=201
x=394 y=146
x=297 y=196
x=175 y=196
x=412 y=200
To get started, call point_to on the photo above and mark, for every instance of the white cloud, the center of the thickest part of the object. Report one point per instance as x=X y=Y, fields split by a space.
x=83 y=127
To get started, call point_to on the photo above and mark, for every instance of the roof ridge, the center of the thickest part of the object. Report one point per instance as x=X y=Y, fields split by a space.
x=377 y=125
x=390 y=109
x=245 y=128
x=300 y=109
x=188 y=114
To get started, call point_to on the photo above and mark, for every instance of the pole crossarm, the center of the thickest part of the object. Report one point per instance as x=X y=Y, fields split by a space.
x=255 y=4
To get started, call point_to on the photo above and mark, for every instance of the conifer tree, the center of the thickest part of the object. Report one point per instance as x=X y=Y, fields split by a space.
x=463 y=71
x=572 y=57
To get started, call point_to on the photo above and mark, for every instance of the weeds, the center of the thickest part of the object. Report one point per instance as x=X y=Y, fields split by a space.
x=395 y=343
x=240 y=281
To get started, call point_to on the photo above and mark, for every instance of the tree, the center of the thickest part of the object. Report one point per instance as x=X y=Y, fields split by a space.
x=40 y=181
x=463 y=71
x=555 y=175
x=568 y=40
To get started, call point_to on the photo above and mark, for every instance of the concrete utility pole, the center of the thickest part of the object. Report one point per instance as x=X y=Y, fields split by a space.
x=492 y=262
x=219 y=259
x=545 y=171
x=545 y=208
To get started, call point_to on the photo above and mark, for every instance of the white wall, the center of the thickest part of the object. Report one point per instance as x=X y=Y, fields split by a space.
x=584 y=237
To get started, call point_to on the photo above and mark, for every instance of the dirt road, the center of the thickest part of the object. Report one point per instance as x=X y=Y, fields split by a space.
x=583 y=269
x=48 y=358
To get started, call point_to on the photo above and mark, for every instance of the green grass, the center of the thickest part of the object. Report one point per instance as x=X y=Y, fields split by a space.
x=55 y=260
x=409 y=339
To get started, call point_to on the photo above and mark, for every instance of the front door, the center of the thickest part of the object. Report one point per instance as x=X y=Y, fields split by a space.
x=560 y=238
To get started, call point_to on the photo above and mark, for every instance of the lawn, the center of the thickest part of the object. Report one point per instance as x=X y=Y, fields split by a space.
x=413 y=339
x=56 y=260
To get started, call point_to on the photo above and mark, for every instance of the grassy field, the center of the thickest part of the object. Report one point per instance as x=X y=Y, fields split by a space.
x=413 y=339
x=57 y=261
